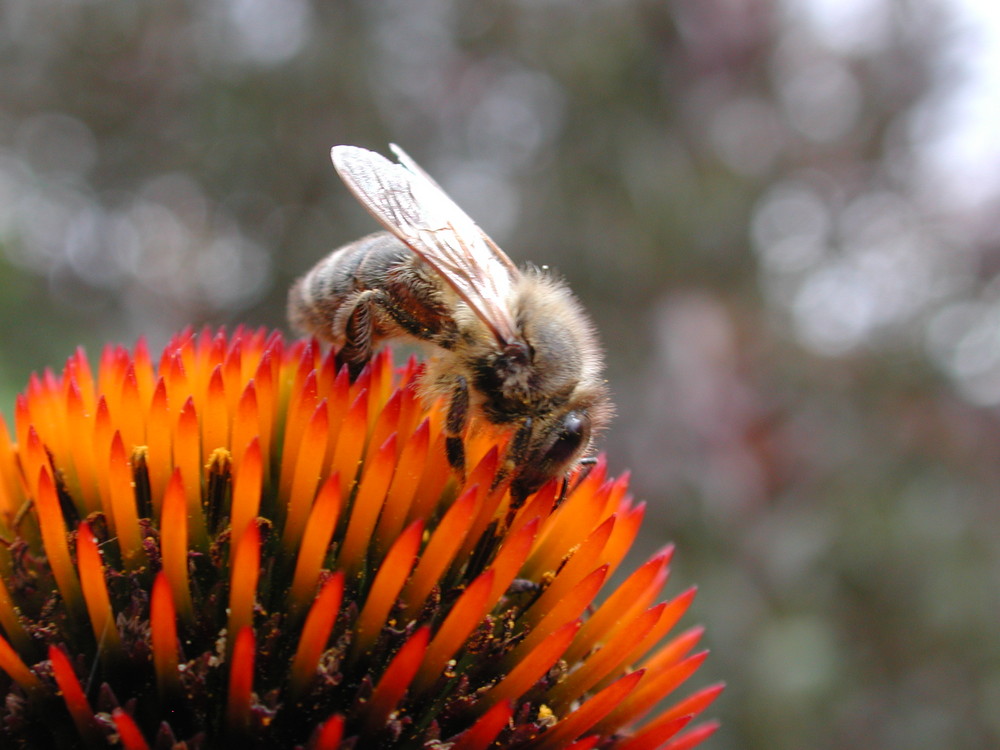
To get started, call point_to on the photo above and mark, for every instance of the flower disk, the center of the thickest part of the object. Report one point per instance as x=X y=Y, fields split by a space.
x=239 y=547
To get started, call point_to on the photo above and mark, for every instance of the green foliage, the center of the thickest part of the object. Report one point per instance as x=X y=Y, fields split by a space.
x=798 y=314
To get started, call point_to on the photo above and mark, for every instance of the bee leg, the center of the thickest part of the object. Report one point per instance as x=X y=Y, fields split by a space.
x=586 y=466
x=485 y=549
x=370 y=308
x=454 y=425
x=492 y=537
x=563 y=491
x=517 y=452
x=358 y=334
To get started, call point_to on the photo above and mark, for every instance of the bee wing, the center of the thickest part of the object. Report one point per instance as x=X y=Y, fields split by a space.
x=413 y=207
x=407 y=161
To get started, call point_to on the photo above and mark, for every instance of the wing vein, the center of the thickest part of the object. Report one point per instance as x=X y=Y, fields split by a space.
x=411 y=205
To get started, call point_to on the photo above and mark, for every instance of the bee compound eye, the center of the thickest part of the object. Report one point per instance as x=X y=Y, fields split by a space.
x=573 y=435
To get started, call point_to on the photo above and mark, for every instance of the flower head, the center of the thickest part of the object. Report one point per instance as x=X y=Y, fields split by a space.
x=240 y=546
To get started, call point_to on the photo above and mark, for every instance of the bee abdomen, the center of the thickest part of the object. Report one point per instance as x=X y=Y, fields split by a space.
x=316 y=301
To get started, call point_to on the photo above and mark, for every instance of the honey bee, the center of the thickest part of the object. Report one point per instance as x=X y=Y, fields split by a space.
x=512 y=346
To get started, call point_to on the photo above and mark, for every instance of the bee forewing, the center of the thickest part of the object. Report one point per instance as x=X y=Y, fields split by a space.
x=407 y=161
x=413 y=207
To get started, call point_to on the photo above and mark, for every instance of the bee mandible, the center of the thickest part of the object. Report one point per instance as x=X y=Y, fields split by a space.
x=511 y=346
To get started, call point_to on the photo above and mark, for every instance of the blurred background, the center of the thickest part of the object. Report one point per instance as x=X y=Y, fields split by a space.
x=781 y=213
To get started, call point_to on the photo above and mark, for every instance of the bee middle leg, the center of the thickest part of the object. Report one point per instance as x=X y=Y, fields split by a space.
x=586 y=465
x=517 y=453
x=454 y=425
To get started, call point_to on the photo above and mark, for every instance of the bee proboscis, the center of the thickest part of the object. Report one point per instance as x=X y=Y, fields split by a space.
x=512 y=346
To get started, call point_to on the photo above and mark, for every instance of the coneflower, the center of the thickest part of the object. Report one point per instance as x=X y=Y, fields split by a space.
x=240 y=547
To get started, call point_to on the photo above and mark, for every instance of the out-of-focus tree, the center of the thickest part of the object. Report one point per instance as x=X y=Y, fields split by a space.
x=761 y=201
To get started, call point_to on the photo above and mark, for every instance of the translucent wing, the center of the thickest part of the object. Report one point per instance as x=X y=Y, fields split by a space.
x=413 y=207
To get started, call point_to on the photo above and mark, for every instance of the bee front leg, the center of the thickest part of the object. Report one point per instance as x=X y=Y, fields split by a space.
x=517 y=453
x=586 y=465
x=454 y=425
x=514 y=457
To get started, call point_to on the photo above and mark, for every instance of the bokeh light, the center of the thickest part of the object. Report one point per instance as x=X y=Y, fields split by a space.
x=782 y=216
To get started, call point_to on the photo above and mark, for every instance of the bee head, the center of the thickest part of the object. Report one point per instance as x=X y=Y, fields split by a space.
x=551 y=449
